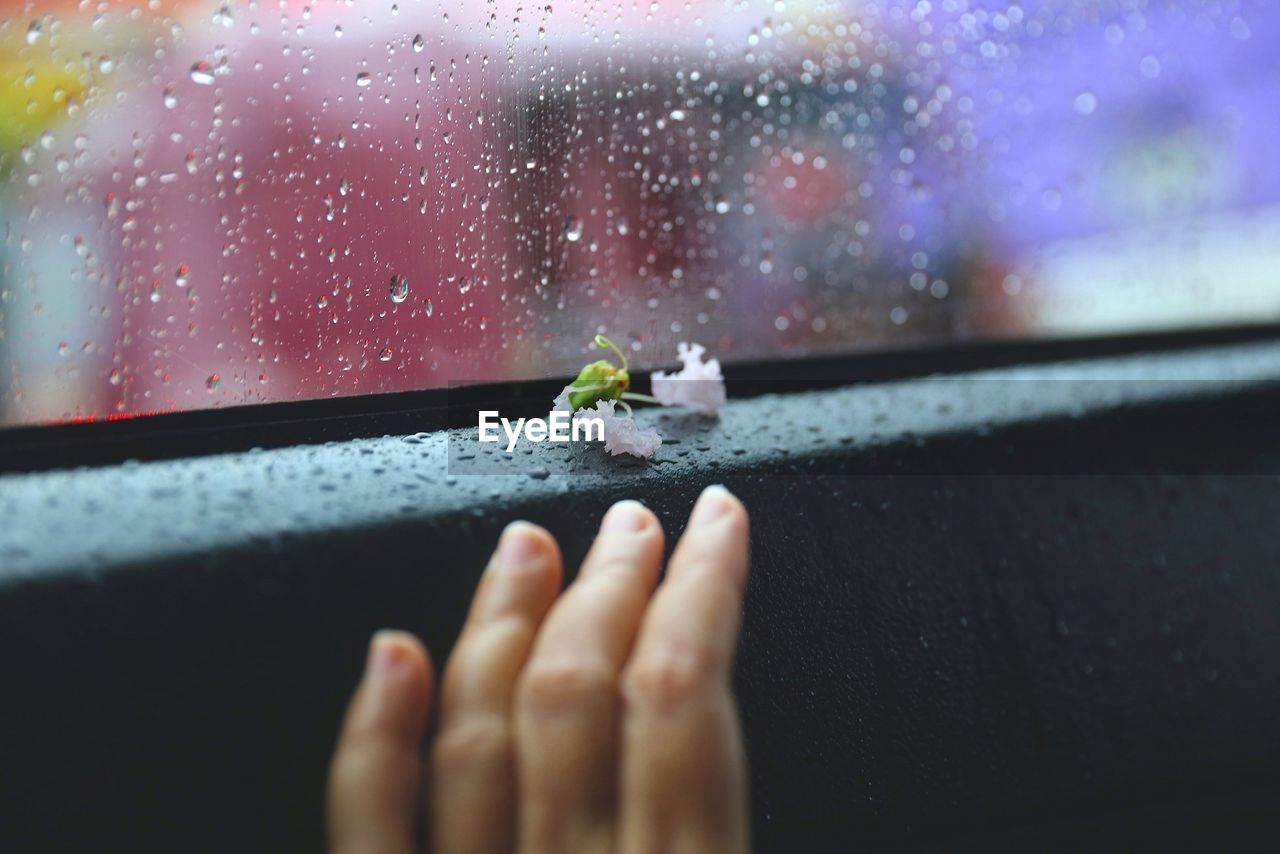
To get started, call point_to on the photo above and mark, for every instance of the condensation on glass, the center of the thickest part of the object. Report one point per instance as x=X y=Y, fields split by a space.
x=209 y=203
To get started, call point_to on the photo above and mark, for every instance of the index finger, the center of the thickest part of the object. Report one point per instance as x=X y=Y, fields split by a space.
x=684 y=773
x=695 y=614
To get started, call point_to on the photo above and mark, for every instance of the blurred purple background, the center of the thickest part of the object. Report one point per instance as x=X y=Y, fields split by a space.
x=209 y=204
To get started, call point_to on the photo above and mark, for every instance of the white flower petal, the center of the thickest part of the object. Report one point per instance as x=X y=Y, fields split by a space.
x=561 y=403
x=699 y=385
x=622 y=435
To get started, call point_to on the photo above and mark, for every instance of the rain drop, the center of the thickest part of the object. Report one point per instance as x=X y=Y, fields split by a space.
x=202 y=74
x=573 y=229
x=399 y=289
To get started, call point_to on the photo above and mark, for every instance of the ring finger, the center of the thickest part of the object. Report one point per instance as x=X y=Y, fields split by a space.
x=472 y=762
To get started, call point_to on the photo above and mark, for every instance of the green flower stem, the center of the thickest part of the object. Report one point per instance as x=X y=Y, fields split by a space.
x=602 y=341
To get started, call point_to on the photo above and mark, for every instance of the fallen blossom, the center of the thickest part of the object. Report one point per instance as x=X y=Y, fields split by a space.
x=561 y=403
x=599 y=380
x=622 y=435
x=699 y=385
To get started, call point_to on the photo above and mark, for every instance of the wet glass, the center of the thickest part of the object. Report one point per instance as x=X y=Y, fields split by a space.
x=206 y=203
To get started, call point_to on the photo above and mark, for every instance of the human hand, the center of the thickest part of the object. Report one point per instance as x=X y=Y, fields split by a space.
x=597 y=720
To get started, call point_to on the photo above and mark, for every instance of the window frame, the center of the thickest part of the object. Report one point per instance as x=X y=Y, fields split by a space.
x=204 y=671
x=202 y=432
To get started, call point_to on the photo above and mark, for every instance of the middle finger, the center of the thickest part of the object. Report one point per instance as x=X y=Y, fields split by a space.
x=567 y=701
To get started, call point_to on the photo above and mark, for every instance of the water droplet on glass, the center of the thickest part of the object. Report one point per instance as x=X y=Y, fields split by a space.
x=202 y=74
x=212 y=382
x=363 y=79
x=573 y=229
x=170 y=97
x=399 y=289
x=1086 y=103
x=33 y=32
x=182 y=276
x=385 y=355
x=418 y=43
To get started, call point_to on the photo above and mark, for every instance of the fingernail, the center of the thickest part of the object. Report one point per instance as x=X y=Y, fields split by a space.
x=386 y=653
x=624 y=517
x=518 y=544
x=714 y=502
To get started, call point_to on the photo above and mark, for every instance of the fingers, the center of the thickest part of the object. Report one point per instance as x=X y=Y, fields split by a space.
x=377 y=769
x=567 y=702
x=597 y=722
x=683 y=774
x=473 y=796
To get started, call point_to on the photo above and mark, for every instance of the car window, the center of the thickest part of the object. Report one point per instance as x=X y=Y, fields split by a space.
x=206 y=203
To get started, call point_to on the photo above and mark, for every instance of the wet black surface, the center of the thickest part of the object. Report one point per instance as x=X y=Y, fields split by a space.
x=1032 y=613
